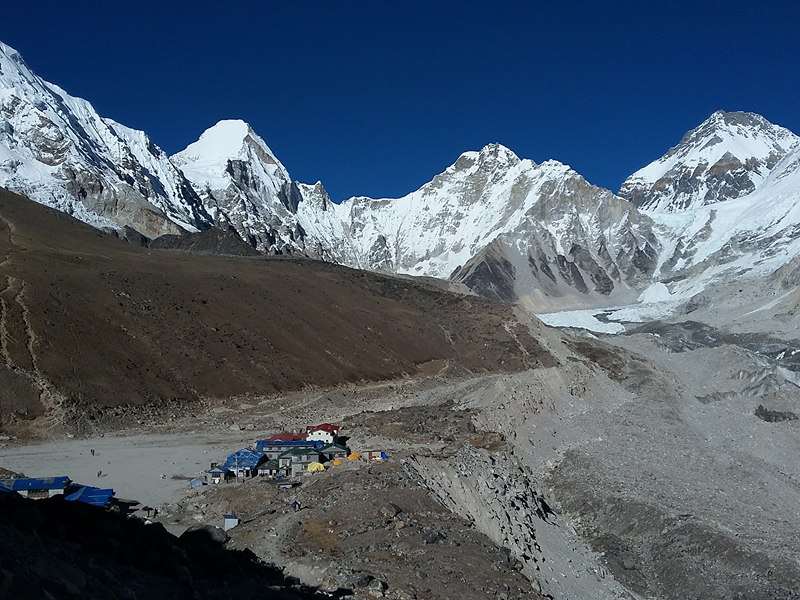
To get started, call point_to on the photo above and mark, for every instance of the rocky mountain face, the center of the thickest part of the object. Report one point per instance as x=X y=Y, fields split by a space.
x=242 y=183
x=743 y=233
x=727 y=156
x=506 y=227
x=57 y=150
x=559 y=233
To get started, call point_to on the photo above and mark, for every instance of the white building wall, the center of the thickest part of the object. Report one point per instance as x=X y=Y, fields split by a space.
x=320 y=436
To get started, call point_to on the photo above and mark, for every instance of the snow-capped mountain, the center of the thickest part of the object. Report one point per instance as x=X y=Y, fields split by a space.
x=559 y=233
x=752 y=235
x=726 y=203
x=57 y=150
x=722 y=203
x=242 y=182
x=727 y=156
x=508 y=228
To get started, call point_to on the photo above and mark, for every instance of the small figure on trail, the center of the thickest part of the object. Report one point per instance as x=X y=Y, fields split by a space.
x=99 y=474
x=295 y=505
x=92 y=451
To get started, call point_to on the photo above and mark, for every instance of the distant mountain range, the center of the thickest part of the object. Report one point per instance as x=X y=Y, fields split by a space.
x=720 y=204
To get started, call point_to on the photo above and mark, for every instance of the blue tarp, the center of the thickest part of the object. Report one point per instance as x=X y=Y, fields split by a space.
x=28 y=484
x=243 y=459
x=90 y=495
x=262 y=444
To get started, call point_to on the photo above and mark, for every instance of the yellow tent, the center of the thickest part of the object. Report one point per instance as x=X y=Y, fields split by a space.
x=336 y=462
x=315 y=467
x=354 y=456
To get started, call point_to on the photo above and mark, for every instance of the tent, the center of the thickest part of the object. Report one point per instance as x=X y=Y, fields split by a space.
x=337 y=461
x=315 y=467
x=354 y=456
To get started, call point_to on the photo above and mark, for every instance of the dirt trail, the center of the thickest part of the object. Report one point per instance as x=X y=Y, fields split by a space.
x=5 y=338
x=6 y=225
x=19 y=337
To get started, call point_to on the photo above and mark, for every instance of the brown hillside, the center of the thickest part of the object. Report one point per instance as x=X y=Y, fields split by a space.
x=88 y=321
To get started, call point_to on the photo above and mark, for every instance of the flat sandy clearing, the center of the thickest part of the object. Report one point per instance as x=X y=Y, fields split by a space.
x=131 y=465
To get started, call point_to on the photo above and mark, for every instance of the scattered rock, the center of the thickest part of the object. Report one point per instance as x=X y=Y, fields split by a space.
x=390 y=510
x=359 y=580
x=433 y=537
x=774 y=416
x=377 y=588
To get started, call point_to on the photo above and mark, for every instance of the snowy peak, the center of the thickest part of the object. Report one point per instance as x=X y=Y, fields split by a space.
x=741 y=134
x=491 y=158
x=206 y=161
x=243 y=184
x=725 y=157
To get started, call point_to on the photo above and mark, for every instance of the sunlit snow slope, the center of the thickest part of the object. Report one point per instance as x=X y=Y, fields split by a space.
x=56 y=149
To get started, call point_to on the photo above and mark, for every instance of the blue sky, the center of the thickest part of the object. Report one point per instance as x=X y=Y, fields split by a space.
x=376 y=97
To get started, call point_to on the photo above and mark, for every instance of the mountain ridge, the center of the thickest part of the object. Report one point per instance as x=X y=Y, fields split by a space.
x=504 y=226
x=56 y=149
x=725 y=157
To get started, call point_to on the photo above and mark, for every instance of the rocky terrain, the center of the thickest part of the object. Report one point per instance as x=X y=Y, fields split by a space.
x=93 y=327
x=157 y=311
x=368 y=528
x=656 y=464
x=56 y=549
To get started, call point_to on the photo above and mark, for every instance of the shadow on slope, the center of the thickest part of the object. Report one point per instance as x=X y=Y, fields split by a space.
x=56 y=549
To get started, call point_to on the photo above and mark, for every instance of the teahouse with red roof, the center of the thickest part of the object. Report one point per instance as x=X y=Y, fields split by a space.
x=324 y=432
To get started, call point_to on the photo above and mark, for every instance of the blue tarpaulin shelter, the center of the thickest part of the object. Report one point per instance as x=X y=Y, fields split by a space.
x=87 y=494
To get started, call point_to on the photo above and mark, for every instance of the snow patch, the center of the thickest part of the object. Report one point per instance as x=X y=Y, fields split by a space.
x=658 y=292
x=583 y=319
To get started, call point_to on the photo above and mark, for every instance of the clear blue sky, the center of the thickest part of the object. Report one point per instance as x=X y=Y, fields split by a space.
x=376 y=97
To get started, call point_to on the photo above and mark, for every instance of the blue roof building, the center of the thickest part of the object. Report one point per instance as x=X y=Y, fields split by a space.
x=92 y=496
x=43 y=487
x=244 y=462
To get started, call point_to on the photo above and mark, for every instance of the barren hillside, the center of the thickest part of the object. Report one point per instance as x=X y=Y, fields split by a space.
x=90 y=322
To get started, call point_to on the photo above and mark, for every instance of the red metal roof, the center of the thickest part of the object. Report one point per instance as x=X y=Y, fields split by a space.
x=329 y=427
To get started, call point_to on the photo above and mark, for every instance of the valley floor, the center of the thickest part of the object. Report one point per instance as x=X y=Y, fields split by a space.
x=638 y=468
